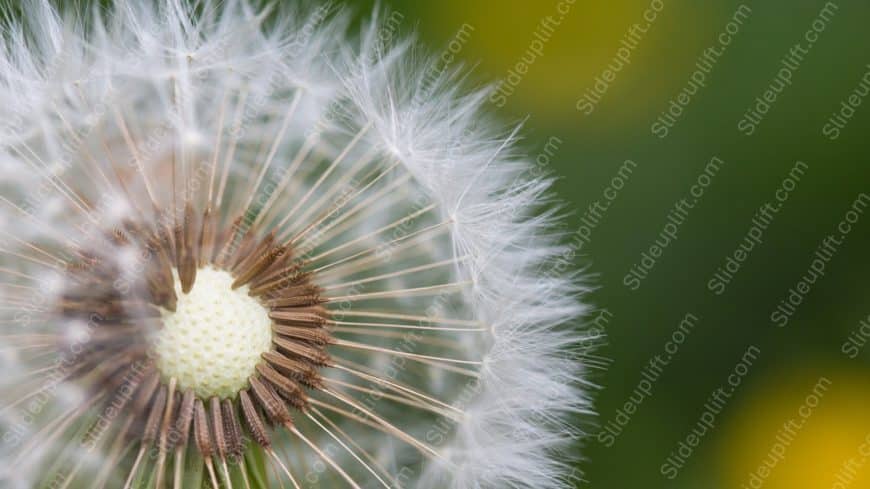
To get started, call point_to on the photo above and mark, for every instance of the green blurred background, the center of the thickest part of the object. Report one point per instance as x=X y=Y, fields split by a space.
x=828 y=451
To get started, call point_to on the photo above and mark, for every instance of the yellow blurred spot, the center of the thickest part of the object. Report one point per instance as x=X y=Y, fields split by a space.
x=573 y=44
x=809 y=431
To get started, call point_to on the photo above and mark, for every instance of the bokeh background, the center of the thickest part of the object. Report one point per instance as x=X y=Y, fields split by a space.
x=807 y=373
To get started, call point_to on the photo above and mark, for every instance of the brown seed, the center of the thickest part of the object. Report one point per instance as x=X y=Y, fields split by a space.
x=280 y=279
x=307 y=316
x=217 y=424
x=233 y=429
x=248 y=272
x=185 y=417
x=317 y=336
x=253 y=421
x=258 y=249
x=281 y=263
x=274 y=407
x=309 y=296
x=201 y=430
x=316 y=355
x=286 y=388
x=298 y=370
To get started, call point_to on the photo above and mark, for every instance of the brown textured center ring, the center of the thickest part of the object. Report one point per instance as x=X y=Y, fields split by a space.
x=239 y=329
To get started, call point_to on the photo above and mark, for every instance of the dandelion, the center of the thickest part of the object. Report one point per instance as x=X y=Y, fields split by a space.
x=242 y=247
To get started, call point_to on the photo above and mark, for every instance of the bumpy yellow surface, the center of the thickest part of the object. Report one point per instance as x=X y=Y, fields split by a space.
x=213 y=341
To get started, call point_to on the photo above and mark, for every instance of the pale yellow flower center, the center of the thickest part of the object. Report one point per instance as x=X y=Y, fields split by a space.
x=215 y=338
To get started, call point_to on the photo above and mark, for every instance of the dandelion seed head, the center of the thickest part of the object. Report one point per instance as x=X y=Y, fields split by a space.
x=265 y=231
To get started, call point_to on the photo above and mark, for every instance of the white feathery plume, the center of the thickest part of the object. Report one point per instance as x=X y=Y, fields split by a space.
x=384 y=230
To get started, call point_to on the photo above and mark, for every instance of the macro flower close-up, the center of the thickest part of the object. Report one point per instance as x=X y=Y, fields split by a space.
x=260 y=245
x=397 y=244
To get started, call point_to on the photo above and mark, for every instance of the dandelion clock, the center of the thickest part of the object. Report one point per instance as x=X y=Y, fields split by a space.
x=252 y=246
